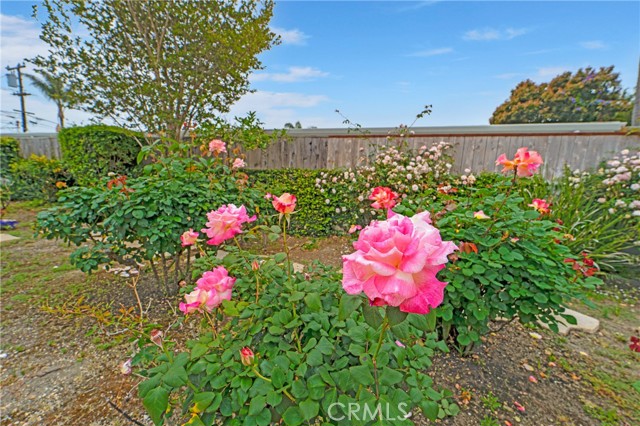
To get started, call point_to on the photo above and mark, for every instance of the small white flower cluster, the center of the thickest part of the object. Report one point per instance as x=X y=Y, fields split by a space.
x=622 y=182
x=468 y=178
x=406 y=171
x=622 y=168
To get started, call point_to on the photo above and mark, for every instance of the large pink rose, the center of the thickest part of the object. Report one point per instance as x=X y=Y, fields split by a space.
x=225 y=223
x=396 y=262
x=211 y=289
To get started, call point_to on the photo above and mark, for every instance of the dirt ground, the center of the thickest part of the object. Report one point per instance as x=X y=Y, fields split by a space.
x=59 y=367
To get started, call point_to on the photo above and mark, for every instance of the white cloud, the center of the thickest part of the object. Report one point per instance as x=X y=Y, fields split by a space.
x=432 y=52
x=418 y=5
x=488 y=34
x=294 y=36
x=593 y=45
x=19 y=40
x=277 y=108
x=294 y=75
x=551 y=71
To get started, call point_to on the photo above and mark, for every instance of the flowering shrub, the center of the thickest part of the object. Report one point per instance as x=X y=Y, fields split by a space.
x=511 y=263
x=292 y=348
x=299 y=351
x=37 y=177
x=601 y=210
x=133 y=220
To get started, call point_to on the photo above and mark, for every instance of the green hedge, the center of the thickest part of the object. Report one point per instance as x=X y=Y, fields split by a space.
x=9 y=154
x=90 y=152
x=313 y=216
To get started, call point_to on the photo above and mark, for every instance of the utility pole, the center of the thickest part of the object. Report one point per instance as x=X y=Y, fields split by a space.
x=20 y=92
x=635 y=118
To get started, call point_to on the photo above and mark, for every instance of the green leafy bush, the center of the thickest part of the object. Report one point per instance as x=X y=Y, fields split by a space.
x=90 y=152
x=131 y=220
x=511 y=265
x=9 y=154
x=318 y=356
x=38 y=178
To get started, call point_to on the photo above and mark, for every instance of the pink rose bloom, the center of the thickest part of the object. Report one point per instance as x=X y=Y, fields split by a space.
x=480 y=215
x=189 y=238
x=396 y=262
x=354 y=228
x=525 y=162
x=225 y=223
x=383 y=197
x=217 y=146
x=285 y=203
x=238 y=163
x=541 y=205
x=211 y=289
x=194 y=301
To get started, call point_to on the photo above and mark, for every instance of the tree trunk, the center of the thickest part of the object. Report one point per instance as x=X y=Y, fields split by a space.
x=61 y=115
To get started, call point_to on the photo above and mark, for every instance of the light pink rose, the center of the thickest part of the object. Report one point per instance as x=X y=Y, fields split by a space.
x=480 y=215
x=238 y=163
x=225 y=223
x=354 y=228
x=211 y=289
x=194 y=301
x=217 y=146
x=396 y=262
x=189 y=238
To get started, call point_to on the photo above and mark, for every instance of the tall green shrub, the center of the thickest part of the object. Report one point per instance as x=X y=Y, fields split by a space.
x=90 y=152
x=9 y=154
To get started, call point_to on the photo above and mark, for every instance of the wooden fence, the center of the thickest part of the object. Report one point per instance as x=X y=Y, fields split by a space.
x=38 y=144
x=578 y=145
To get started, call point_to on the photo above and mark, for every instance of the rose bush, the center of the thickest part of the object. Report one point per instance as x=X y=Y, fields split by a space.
x=142 y=219
x=298 y=351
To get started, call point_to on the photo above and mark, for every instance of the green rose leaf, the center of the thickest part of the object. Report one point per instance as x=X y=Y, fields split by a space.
x=156 y=403
x=362 y=374
x=395 y=315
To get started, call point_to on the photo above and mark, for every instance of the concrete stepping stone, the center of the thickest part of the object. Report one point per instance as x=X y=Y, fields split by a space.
x=583 y=323
x=7 y=237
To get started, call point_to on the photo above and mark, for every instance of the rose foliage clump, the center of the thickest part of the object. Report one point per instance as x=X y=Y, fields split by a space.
x=294 y=347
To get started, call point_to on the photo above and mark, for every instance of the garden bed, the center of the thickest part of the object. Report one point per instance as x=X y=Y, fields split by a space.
x=59 y=366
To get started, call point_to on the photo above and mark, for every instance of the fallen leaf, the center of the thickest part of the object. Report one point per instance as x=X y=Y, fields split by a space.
x=528 y=367
x=536 y=336
x=519 y=406
x=532 y=379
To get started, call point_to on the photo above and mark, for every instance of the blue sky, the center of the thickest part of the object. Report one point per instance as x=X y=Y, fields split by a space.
x=380 y=62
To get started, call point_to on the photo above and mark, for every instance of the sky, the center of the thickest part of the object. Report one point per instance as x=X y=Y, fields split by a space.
x=379 y=63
